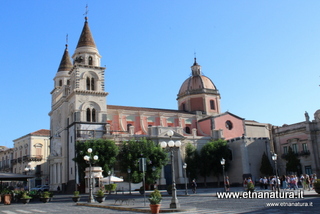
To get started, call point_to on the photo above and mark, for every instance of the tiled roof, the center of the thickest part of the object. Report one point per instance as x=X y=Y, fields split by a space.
x=41 y=132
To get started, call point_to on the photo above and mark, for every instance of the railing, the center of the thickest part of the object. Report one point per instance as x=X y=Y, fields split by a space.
x=302 y=153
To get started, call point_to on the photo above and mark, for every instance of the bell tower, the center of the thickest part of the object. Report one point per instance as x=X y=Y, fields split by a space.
x=79 y=109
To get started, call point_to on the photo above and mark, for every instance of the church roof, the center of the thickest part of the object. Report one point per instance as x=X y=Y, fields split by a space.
x=86 y=38
x=65 y=64
x=197 y=83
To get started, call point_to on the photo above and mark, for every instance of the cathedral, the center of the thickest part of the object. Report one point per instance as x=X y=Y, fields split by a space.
x=79 y=111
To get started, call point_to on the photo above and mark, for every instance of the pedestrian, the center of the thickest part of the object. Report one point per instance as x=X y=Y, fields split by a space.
x=58 y=189
x=261 y=182
x=194 y=186
x=245 y=182
x=227 y=184
x=265 y=182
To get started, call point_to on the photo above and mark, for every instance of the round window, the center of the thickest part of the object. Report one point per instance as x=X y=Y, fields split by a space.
x=229 y=124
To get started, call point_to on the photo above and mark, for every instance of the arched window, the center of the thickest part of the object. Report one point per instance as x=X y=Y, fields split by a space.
x=92 y=84
x=128 y=127
x=88 y=83
x=183 y=106
x=88 y=115
x=90 y=60
x=60 y=82
x=93 y=115
x=212 y=106
x=188 y=130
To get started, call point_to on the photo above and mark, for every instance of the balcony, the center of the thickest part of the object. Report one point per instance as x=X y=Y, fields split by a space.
x=34 y=157
x=19 y=160
x=304 y=153
x=13 y=161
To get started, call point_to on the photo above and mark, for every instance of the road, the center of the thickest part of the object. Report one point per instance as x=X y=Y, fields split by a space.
x=204 y=202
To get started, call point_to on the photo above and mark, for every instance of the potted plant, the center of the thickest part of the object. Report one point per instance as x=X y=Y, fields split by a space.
x=6 y=196
x=316 y=186
x=250 y=187
x=45 y=196
x=76 y=196
x=100 y=196
x=155 y=200
x=25 y=198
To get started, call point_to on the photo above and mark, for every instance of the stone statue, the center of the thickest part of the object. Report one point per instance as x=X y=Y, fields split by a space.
x=307 y=116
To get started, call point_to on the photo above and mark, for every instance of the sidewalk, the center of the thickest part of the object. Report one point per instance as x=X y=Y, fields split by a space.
x=137 y=203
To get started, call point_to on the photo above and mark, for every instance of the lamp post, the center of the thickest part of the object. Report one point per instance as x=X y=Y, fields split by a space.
x=274 y=158
x=223 y=162
x=185 y=177
x=129 y=171
x=89 y=160
x=172 y=147
x=28 y=169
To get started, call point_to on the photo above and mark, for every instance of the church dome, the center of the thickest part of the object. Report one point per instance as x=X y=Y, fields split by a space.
x=197 y=83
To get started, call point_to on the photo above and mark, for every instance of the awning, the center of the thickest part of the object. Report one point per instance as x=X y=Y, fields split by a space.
x=14 y=177
x=111 y=179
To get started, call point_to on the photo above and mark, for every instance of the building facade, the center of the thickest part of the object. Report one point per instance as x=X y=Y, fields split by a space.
x=79 y=111
x=304 y=140
x=31 y=152
x=5 y=159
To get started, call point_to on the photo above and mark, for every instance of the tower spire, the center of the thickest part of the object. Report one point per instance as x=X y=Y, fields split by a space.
x=65 y=64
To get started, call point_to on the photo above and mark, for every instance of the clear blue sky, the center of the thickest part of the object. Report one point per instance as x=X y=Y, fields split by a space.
x=263 y=56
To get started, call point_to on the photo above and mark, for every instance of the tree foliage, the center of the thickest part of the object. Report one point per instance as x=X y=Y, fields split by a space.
x=132 y=150
x=266 y=168
x=192 y=160
x=106 y=150
x=211 y=155
x=293 y=163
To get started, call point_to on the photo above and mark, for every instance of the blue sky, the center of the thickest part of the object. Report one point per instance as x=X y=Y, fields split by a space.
x=263 y=56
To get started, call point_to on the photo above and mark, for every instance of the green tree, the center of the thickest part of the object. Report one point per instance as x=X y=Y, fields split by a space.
x=293 y=163
x=155 y=156
x=106 y=150
x=266 y=168
x=192 y=161
x=211 y=155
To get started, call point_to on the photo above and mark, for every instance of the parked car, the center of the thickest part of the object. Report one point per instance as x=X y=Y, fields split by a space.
x=40 y=188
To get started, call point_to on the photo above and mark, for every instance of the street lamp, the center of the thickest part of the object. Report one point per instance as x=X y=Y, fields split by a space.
x=223 y=162
x=274 y=158
x=89 y=160
x=185 y=177
x=129 y=171
x=172 y=147
x=28 y=169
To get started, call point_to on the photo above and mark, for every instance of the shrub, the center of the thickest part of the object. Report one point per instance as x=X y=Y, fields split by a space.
x=155 y=197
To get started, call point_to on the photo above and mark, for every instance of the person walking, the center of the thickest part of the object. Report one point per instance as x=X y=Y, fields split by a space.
x=194 y=186
x=227 y=184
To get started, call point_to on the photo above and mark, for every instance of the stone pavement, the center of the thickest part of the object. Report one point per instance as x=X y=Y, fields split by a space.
x=137 y=203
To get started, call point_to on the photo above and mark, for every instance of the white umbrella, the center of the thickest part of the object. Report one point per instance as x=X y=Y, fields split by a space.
x=111 y=179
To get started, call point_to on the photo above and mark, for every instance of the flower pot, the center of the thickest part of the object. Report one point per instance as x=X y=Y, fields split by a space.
x=155 y=208
x=100 y=199
x=25 y=200
x=7 y=199
x=45 y=200
x=76 y=199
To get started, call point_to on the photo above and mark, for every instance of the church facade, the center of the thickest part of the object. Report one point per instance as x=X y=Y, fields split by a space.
x=79 y=111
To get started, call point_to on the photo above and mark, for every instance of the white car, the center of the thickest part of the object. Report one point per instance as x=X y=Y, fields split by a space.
x=40 y=188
